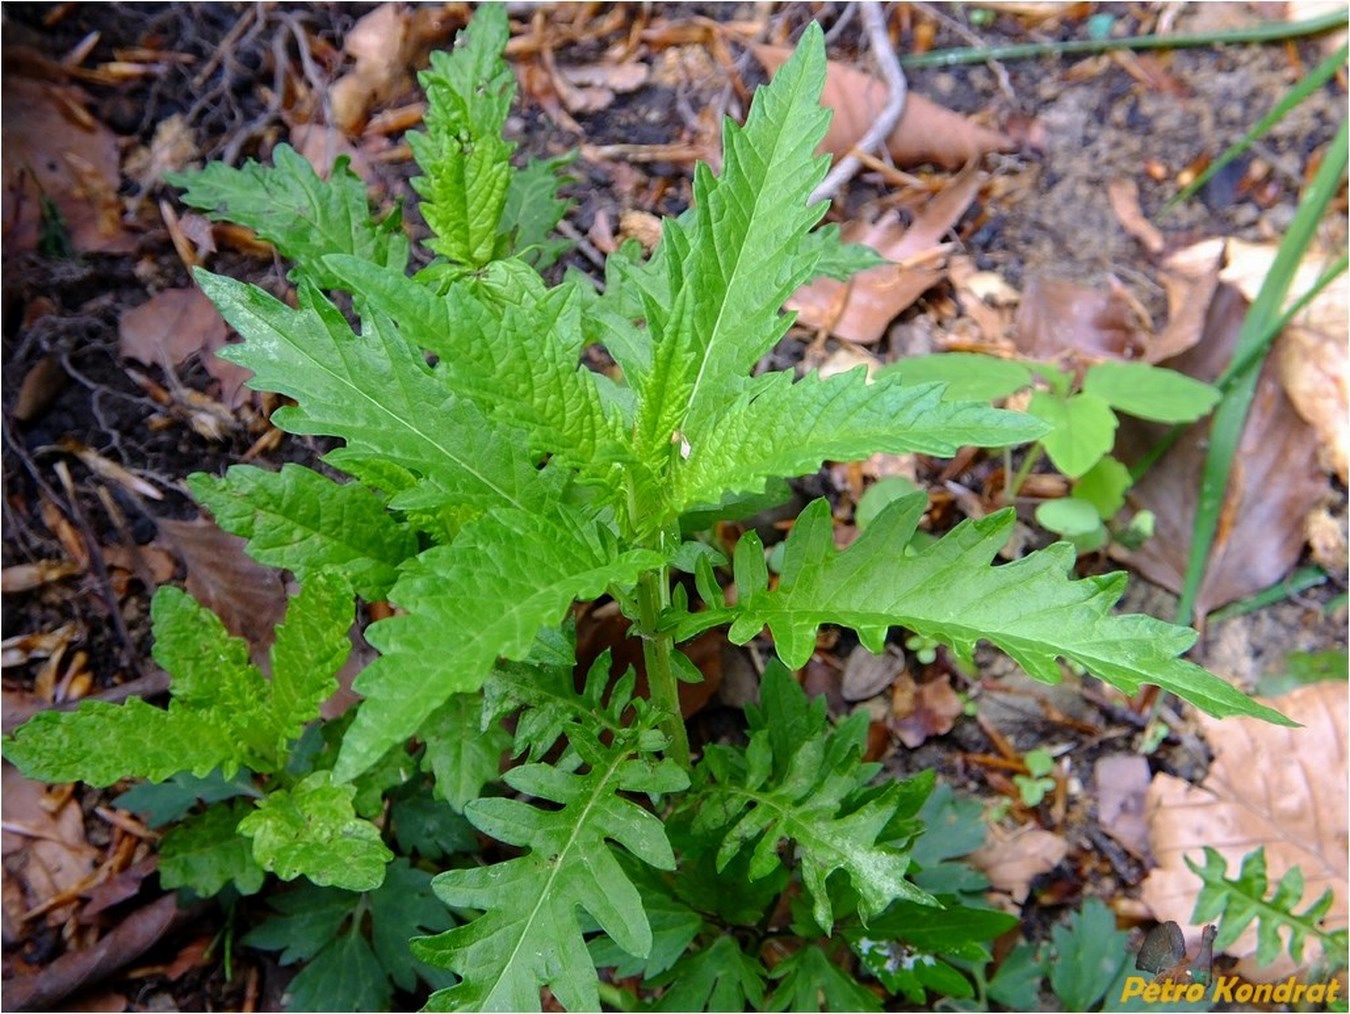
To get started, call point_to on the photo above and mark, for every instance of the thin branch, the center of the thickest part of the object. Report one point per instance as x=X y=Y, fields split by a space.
x=889 y=63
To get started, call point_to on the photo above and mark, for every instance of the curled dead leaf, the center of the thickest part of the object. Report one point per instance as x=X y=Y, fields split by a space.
x=861 y=309
x=926 y=133
x=43 y=843
x=1096 y=322
x=172 y=326
x=920 y=711
x=1269 y=786
x=1275 y=481
x=1013 y=859
x=1120 y=782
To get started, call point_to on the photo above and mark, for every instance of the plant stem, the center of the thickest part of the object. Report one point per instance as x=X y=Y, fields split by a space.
x=1028 y=463
x=656 y=649
x=613 y=996
x=1259 y=33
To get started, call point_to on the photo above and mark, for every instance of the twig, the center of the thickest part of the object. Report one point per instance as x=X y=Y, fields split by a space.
x=100 y=570
x=887 y=60
x=958 y=27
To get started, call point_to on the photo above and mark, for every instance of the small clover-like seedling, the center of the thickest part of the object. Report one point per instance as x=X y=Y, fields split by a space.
x=482 y=480
x=1082 y=421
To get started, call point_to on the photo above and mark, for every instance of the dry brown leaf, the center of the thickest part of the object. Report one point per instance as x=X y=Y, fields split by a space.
x=923 y=710
x=46 y=153
x=1120 y=782
x=866 y=675
x=384 y=45
x=27 y=576
x=1274 y=484
x=44 y=849
x=1312 y=358
x=1096 y=322
x=1124 y=196
x=171 y=326
x=861 y=309
x=591 y=87
x=927 y=132
x=1012 y=860
x=41 y=384
x=248 y=597
x=1271 y=786
x=175 y=324
x=170 y=149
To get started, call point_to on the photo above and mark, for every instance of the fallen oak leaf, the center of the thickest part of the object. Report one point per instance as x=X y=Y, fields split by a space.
x=861 y=309
x=926 y=133
x=1269 y=786
x=1275 y=482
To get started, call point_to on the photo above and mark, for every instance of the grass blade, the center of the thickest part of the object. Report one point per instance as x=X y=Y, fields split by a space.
x=1320 y=75
x=1270 y=32
x=1231 y=414
x=1240 y=366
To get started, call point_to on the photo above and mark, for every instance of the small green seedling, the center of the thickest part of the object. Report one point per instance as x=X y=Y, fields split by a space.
x=1082 y=420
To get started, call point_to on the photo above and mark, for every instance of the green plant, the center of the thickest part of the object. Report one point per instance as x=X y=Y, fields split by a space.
x=1081 y=418
x=1234 y=904
x=1033 y=785
x=494 y=481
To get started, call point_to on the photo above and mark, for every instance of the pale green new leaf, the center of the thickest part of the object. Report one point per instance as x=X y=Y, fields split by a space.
x=100 y=743
x=1030 y=608
x=303 y=216
x=312 y=830
x=206 y=852
x=310 y=647
x=1150 y=392
x=780 y=428
x=529 y=935
x=509 y=345
x=734 y=265
x=483 y=597
x=1082 y=430
x=376 y=392
x=304 y=522
x=465 y=161
x=461 y=753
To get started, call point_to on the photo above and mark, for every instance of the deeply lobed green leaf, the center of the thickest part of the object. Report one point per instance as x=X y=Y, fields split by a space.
x=303 y=216
x=948 y=591
x=304 y=522
x=464 y=159
x=528 y=935
x=483 y=597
